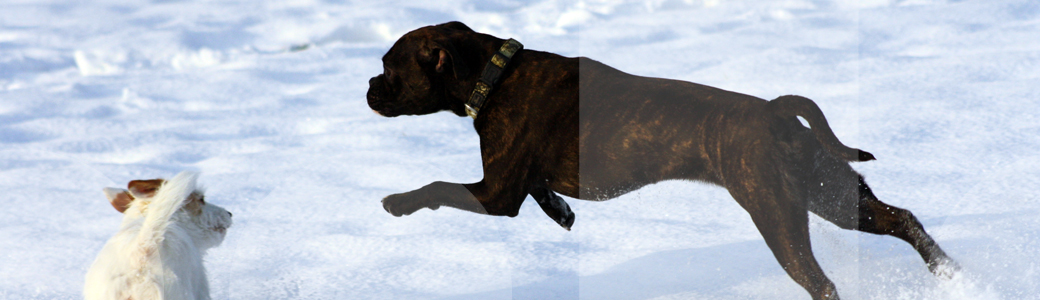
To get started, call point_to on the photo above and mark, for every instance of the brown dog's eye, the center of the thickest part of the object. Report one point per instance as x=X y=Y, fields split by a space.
x=202 y=200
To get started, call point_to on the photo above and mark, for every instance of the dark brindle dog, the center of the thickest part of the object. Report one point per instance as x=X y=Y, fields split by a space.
x=552 y=124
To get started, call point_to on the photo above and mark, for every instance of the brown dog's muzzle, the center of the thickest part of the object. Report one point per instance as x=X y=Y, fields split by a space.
x=376 y=95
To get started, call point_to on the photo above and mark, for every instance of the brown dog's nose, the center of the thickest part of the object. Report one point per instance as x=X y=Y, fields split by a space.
x=375 y=80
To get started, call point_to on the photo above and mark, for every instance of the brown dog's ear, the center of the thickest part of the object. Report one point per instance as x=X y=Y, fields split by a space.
x=119 y=198
x=441 y=61
x=144 y=188
x=446 y=55
x=441 y=48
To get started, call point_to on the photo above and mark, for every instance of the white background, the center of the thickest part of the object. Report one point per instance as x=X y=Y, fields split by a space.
x=267 y=100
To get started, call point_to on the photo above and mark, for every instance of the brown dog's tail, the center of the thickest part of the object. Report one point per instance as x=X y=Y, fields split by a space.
x=790 y=106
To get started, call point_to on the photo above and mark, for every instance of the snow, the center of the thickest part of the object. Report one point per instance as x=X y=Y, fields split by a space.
x=266 y=99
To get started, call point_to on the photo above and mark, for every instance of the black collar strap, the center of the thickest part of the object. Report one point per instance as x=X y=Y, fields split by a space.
x=492 y=72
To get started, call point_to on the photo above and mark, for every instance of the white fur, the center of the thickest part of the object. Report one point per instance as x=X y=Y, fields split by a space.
x=157 y=253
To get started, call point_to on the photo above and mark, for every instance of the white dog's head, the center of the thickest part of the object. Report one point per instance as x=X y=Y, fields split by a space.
x=181 y=200
x=157 y=253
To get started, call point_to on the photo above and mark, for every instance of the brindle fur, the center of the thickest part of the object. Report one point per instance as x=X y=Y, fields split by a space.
x=580 y=128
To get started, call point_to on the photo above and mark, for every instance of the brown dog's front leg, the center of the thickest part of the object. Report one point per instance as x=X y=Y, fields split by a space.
x=433 y=196
x=554 y=206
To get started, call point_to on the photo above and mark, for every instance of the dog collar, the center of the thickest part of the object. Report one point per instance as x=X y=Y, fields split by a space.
x=492 y=72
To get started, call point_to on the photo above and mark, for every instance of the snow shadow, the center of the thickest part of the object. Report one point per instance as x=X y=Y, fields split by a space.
x=708 y=270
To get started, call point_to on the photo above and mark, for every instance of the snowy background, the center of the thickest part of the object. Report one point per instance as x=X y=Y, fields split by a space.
x=266 y=99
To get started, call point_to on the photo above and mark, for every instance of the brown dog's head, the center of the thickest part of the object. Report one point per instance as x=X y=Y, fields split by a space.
x=419 y=69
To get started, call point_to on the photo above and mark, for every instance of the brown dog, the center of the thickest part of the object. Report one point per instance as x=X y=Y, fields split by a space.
x=583 y=129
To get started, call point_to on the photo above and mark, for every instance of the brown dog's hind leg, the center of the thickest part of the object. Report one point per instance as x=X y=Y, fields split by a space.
x=848 y=202
x=553 y=206
x=784 y=224
x=879 y=218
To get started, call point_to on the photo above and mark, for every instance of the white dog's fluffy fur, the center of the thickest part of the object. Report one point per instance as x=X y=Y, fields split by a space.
x=157 y=253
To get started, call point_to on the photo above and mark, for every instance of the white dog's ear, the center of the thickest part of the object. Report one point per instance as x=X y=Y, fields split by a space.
x=194 y=203
x=144 y=188
x=119 y=198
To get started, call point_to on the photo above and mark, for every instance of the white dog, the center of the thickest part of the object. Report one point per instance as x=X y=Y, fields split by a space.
x=157 y=253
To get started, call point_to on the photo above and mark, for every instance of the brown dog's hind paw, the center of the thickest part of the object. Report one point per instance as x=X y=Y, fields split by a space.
x=944 y=268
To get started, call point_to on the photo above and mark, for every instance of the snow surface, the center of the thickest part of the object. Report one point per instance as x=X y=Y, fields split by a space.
x=266 y=99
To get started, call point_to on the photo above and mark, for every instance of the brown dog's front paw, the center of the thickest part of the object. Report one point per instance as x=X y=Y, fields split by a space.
x=400 y=205
x=557 y=209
